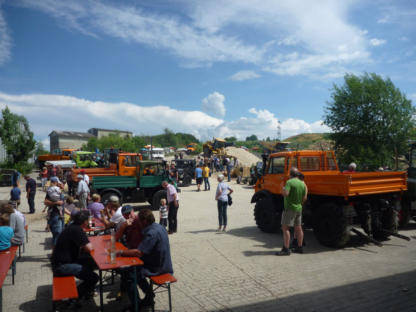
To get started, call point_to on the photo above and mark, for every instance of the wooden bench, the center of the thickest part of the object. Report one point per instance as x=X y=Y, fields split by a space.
x=63 y=288
x=162 y=281
x=13 y=250
x=7 y=260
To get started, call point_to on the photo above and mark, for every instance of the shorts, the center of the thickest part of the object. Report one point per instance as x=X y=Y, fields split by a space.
x=198 y=180
x=291 y=218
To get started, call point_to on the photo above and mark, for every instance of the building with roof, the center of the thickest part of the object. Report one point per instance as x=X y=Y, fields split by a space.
x=68 y=139
x=99 y=133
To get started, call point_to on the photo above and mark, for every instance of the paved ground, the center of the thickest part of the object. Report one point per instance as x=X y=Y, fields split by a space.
x=238 y=271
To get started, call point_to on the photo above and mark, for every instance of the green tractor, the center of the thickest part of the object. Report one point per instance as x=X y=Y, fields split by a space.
x=84 y=159
x=145 y=186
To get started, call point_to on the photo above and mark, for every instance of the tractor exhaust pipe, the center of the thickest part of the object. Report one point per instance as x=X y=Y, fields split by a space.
x=376 y=242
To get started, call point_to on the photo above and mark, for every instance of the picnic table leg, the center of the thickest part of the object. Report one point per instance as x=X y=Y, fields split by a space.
x=13 y=269
x=101 y=291
x=1 y=299
x=136 y=301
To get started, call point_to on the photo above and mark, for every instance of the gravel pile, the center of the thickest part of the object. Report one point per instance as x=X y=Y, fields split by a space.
x=244 y=157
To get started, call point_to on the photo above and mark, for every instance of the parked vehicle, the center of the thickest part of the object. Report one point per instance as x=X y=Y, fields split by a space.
x=408 y=203
x=64 y=154
x=186 y=170
x=144 y=185
x=336 y=203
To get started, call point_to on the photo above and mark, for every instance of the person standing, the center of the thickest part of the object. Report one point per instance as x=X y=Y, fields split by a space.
x=173 y=203
x=15 y=194
x=294 y=194
x=228 y=167
x=82 y=192
x=71 y=255
x=70 y=182
x=44 y=178
x=30 y=193
x=198 y=177
x=221 y=196
x=205 y=175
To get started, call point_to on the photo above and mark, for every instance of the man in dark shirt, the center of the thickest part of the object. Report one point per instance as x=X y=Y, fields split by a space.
x=71 y=255
x=154 y=250
x=31 y=192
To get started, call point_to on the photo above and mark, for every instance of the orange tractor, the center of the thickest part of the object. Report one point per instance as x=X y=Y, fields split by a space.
x=336 y=203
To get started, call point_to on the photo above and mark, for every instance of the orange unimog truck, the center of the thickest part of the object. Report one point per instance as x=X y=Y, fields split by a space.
x=336 y=201
x=64 y=154
x=118 y=164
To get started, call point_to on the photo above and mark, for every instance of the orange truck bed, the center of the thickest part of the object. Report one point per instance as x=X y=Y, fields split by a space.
x=355 y=184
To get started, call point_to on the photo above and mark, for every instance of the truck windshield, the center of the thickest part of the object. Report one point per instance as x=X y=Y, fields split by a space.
x=413 y=157
x=277 y=165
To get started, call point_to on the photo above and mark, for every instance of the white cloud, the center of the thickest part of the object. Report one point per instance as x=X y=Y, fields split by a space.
x=200 y=33
x=5 y=41
x=376 y=42
x=213 y=104
x=47 y=112
x=244 y=75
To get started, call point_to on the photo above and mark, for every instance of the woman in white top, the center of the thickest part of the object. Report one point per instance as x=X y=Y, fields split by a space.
x=221 y=196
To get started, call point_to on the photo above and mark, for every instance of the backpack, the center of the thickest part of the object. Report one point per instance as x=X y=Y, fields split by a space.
x=230 y=200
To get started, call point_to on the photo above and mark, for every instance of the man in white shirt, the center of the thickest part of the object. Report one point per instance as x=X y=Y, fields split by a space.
x=85 y=176
x=82 y=192
x=173 y=202
x=113 y=216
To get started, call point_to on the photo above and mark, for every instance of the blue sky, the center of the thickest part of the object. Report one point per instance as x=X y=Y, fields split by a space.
x=211 y=68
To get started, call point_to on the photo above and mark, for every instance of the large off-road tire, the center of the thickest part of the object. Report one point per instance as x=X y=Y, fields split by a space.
x=157 y=197
x=405 y=212
x=389 y=222
x=187 y=180
x=268 y=214
x=330 y=225
x=106 y=197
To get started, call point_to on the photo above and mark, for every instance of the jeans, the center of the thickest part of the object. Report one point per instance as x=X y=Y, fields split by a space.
x=222 y=212
x=206 y=184
x=31 y=202
x=83 y=270
x=56 y=225
x=127 y=277
x=229 y=173
x=172 y=217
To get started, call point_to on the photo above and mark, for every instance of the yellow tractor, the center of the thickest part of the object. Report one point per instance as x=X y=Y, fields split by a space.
x=216 y=146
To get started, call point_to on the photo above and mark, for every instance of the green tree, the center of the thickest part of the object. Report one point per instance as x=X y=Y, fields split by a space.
x=371 y=120
x=231 y=139
x=16 y=137
x=252 y=137
x=40 y=149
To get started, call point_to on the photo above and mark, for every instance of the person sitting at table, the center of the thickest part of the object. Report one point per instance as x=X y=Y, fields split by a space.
x=71 y=255
x=95 y=207
x=16 y=223
x=6 y=232
x=130 y=234
x=111 y=214
x=154 y=250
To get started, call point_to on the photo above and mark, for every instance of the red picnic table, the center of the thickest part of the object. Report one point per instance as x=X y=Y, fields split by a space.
x=102 y=258
x=7 y=259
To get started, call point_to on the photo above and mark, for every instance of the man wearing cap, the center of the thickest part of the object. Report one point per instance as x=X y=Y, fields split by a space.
x=31 y=192
x=71 y=255
x=82 y=192
x=131 y=228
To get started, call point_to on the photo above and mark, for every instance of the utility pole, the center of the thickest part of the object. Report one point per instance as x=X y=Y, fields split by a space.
x=279 y=131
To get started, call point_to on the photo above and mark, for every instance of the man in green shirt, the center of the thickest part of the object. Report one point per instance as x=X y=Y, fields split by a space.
x=294 y=194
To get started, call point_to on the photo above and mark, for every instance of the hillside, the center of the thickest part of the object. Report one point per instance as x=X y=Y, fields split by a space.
x=310 y=141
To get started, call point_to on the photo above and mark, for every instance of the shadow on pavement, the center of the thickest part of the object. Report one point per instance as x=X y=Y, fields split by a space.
x=47 y=244
x=275 y=241
x=390 y=293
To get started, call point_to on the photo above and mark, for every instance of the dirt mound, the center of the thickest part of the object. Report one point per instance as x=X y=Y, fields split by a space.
x=244 y=157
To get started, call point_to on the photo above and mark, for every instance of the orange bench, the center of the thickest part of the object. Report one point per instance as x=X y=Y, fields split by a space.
x=63 y=288
x=162 y=281
x=13 y=250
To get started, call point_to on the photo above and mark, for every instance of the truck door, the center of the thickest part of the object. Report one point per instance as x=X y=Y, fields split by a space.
x=275 y=177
